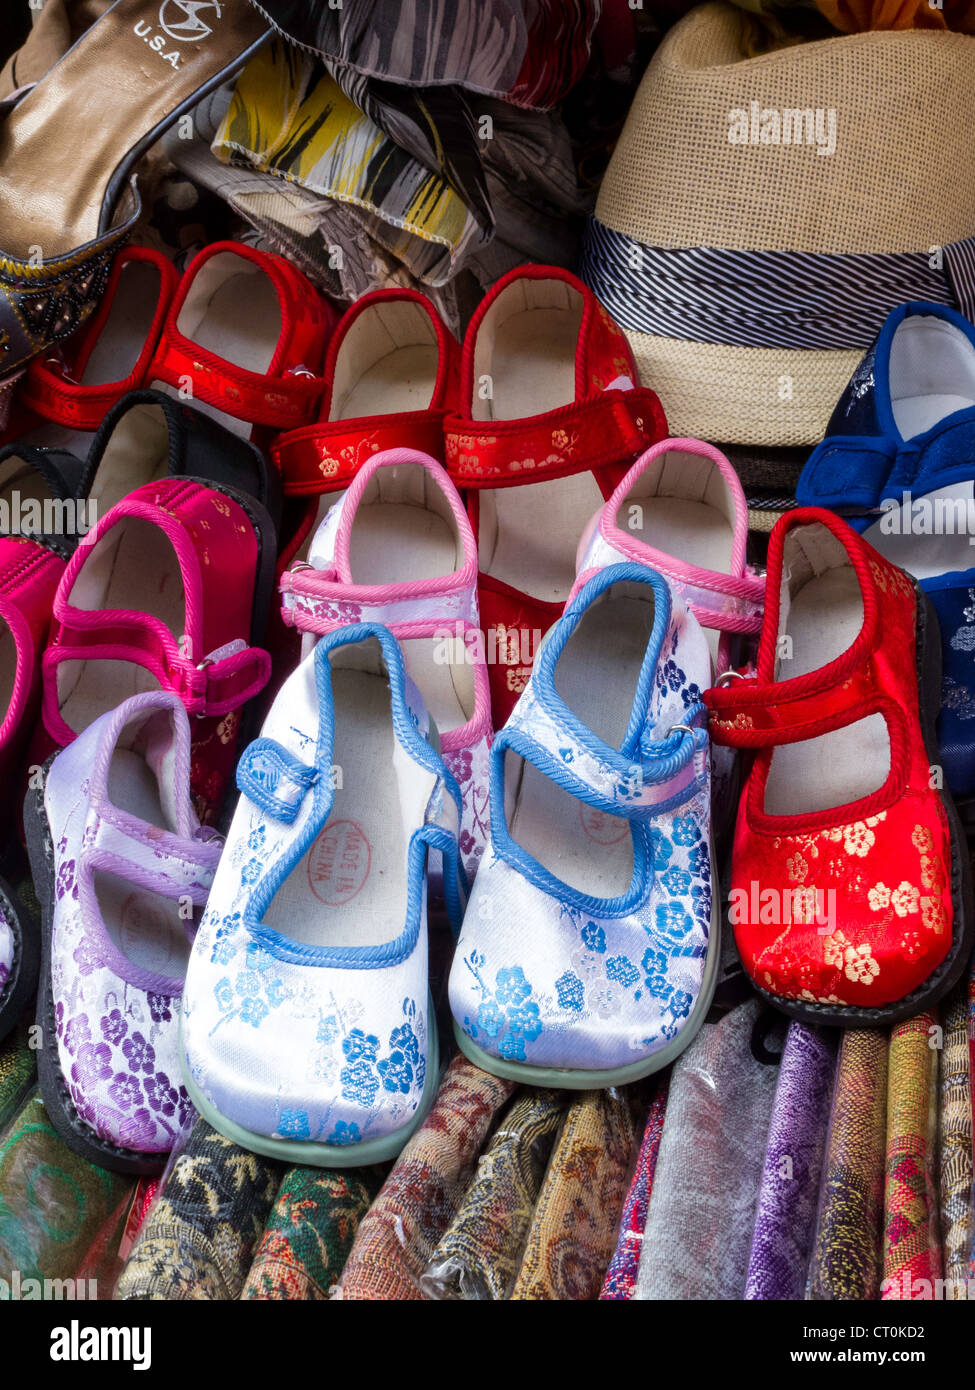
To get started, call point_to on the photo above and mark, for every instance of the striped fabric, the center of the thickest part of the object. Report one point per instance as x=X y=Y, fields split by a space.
x=789 y=299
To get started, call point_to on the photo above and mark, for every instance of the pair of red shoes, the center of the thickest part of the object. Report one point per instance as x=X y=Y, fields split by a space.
x=536 y=417
x=851 y=887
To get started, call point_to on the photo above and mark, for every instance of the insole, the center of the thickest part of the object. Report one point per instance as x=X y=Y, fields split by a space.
x=60 y=144
x=233 y=312
x=350 y=888
x=818 y=773
x=533 y=363
x=402 y=380
x=915 y=414
x=528 y=535
x=145 y=926
x=947 y=548
x=135 y=568
x=596 y=676
x=692 y=532
x=391 y=542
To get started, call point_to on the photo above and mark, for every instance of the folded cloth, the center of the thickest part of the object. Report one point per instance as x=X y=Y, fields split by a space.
x=310 y=1231
x=573 y=1231
x=55 y=1207
x=199 y=1237
x=912 y=1248
x=620 y=1281
x=857 y=16
x=955 y=1143
x=785 y=1222
x=846 y=1254
x=18 y=1070
x=479 y=1253
x=422 y=1194
x=702 y=1209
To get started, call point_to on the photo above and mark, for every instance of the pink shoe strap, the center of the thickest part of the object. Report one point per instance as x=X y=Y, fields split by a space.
x=611 y=427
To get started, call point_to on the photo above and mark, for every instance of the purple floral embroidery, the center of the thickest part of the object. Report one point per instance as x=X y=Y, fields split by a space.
x=139 y=1053
x=160 y=1010
x=138 y=1131
x=93 y=1063
x=161 y=1095
x=125 y=1090
x=83 y=1105
x=65 y=883
x=114 y=1027
x=76 y=1032
x=186 y=1111
x=87 y=957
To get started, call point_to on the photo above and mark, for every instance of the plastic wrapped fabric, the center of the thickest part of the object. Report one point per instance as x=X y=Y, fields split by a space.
x=198 y=1238
x=310 y=1231
x=620 y=1281
x=912 y=1246
x=60 y=1216
x=702 y=1211
x=847 y=1251
x=955 y=1143
x=422 y=1194
x=785 y=1220
x=479 y=1253
x=573 y=1232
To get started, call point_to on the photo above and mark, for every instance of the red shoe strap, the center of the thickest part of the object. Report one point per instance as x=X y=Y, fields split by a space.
x=612 y=427
x=750 y=713
x=280 y=402
x=326 y=456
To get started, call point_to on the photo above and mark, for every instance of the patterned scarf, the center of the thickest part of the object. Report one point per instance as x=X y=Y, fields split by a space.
x=955 y=1143
x=479 y=1254
x=60 y=1217
x=702 y=1211
x=198 y=1239
x=912 y=1253
x=310 y=1231
x=420 y=1198
x=786 y=1217
x=620 y=1281
x=846 y=1258
x=17 y=1071
x=573 y=1232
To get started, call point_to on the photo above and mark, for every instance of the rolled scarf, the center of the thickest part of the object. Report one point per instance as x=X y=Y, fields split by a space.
x=573 y=1231
x=620 y=1281
x=60 y=1217
x=310 y=1231
x=480 y=1252
x=847 y=1253
x=955 y=1145
x=199 y=1236
x=702 y=1209
x=422 y=1194
x=785 y=1221
x=912 y=1249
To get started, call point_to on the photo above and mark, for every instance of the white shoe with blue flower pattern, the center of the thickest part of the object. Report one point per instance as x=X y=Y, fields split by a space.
x=589 y=947
x=306 y=1027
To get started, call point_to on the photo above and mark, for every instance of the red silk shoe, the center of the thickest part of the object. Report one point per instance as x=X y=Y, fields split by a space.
x=851 y=892
x=390 y=377
x=553 y=416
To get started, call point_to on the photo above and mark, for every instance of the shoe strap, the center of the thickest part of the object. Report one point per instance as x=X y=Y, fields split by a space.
x=751 y=713
x=221 y=682
x=156 y=859
x=611 y=427
x=666 y=774
x=274 y=779
x=854 y=472
x=279 y=402
x=325 y=457
x=313 y=601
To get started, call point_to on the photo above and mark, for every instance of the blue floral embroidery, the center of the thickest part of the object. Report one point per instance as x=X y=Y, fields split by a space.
x=328 y=1030
x=690 y=695
x=673 y=922
x=568 y=987
x=358 y=1044
x=699 y=862
x=405 y=1040
x=686 y=830
x=359 y=1083
x=676 y=881
x=525 y=1019
x=344 y=1133
x=491 y=1018
x=294 y=1124
x=660 y=849
x=251 y=871
x=622 y=970
x=680 y=1004
x=255 y=840
x=396 y=1072
x=593 y=937
x=224 y=994
x=507 y=1013
x=254 y=1011
x=512 y=987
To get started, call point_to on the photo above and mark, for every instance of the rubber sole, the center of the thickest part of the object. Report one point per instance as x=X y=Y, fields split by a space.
x=947 y=974
x=76 y=1132
x=308 y=1153
x=567 y=1079
x=25 y=966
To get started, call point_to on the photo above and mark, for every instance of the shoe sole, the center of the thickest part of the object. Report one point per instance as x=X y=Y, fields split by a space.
x=76 y=1132
x=567 y=1079
x=307 y=1153
x=948 y=973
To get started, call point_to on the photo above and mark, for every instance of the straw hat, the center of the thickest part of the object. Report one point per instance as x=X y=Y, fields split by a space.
x=693 y=169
